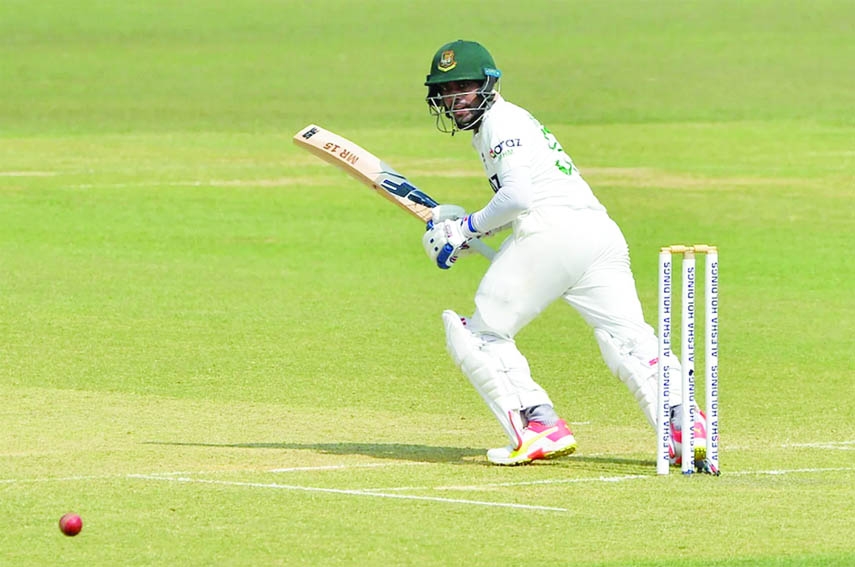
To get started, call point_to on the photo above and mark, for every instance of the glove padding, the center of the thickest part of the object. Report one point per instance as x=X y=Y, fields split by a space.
x=444 y=212
x=444 y=241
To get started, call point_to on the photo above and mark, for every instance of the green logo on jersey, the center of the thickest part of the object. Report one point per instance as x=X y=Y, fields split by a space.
x=563 y=161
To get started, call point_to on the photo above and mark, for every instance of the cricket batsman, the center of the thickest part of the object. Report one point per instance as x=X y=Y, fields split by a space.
x=563 y=245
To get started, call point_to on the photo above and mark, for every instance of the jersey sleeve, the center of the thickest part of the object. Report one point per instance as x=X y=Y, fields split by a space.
x=506 y=147
x=512 y=198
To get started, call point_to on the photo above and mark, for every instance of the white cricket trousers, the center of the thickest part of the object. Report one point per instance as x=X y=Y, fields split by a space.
x=579 y=255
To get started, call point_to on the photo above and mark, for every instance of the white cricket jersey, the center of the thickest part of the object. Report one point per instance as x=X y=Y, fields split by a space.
x=526 y=166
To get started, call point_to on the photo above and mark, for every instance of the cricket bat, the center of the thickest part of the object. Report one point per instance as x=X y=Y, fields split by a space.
x=374 y=172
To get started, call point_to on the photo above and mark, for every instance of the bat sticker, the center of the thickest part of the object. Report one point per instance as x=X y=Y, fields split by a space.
x=397 y=184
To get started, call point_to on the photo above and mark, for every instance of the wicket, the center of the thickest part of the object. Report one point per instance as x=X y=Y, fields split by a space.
x=687 y=352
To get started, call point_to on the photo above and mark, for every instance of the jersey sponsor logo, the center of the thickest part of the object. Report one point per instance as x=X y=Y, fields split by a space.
x=504 y=148
x=447 y=62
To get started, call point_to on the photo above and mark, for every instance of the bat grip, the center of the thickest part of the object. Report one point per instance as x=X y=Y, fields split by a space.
x=482 y=248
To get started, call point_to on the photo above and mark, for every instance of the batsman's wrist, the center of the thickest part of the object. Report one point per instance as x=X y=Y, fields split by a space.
x=468 y=227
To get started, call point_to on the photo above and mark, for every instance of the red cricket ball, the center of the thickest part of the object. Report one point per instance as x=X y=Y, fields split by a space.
x=70 y=524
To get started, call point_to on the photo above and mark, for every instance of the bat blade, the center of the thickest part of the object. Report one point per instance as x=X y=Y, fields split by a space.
x=367 y=168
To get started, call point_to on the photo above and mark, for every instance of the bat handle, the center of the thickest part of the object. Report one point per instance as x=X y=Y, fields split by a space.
x=482 y=248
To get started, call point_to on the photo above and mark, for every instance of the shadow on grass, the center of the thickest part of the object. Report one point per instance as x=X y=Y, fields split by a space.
x=612 y=466
x=398 y=451
x=432 y=454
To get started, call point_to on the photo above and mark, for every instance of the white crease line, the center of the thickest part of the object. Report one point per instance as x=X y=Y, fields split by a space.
x=342 y=467
x=834 y=445
x=294 y=469
x=60 y=478
x=521 y=483
x=180 y=473
x=838 y=445
x=605 y=479
x=789 y=471
x=354 y=493
x=386 y=493
x=171 y=475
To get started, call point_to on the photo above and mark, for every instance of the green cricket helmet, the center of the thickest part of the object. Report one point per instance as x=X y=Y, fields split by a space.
x=461 y=60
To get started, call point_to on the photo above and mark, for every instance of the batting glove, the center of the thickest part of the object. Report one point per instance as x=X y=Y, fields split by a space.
x=445 y=212
x=444 y=241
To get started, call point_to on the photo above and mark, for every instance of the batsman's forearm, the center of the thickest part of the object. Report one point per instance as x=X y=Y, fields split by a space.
x=507 y=204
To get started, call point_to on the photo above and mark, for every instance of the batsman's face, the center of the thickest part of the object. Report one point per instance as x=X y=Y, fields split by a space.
x=462 y=100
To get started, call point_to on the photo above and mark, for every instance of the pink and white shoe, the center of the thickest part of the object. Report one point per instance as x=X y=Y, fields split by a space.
x=675 y=448
x=539 y=441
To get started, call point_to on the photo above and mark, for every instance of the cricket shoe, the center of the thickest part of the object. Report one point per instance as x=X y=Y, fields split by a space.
x=675 y=448
x=539 y=441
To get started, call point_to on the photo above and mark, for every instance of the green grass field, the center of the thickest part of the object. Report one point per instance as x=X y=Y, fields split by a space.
x=219 y=350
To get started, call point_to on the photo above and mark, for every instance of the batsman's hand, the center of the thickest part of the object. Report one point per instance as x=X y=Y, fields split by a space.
x=444 y=241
